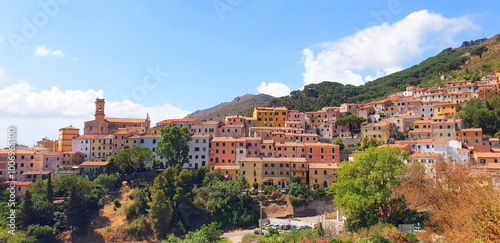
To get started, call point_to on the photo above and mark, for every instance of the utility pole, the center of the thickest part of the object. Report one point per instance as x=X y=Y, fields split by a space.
x=261 y=223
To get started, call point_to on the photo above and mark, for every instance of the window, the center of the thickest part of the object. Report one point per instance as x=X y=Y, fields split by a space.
x=315 y=172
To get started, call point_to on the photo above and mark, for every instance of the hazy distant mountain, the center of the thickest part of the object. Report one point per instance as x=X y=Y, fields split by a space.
x=235 y=107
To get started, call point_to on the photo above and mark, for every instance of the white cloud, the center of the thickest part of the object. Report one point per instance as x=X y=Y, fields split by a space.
x=74 y=59
x=2 y=76
x=43 y=51
x=274 y=89
x=40 y=114
x=383 y=48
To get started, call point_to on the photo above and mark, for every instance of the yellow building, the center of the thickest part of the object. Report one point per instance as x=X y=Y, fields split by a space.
x=131 y=142
x=230 y=172
x=270 y=116
x=446 y=110
x=101 y=148
x=323 y=174
x=66 y=136
x=298 y=168
x=272 y=171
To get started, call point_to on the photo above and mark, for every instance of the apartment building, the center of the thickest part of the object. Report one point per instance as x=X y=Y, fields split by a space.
x=270 y=116
x=323 y=175
x=382 y=130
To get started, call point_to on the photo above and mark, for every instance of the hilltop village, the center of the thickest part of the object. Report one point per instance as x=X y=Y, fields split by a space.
x=277 y=144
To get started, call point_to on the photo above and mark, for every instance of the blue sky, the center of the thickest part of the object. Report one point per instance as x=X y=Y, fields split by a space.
x=212 y=51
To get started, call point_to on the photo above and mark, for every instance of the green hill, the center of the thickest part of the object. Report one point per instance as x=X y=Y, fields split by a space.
x=455 y=64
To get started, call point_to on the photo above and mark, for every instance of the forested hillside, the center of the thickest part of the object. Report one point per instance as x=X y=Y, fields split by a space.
x=454 y=64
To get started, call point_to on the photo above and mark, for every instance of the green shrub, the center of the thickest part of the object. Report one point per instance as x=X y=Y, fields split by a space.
x=320 y=192
x=271 y=232
x=378 y=238
x=110 y=182
x=43 y=234
x=140 y=228
x=117 y=203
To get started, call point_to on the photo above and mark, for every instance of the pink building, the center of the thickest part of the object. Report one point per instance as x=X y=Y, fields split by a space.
x=296 y=116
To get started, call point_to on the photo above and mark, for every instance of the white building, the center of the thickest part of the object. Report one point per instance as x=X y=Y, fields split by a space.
x=82 y=144
x=451 y=150
x=151 y=141
x=198 y=151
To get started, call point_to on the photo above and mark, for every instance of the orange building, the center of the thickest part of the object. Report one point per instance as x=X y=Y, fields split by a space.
x=228 y=151
x=120 y=139
x=322 y=153
x=25 y=161
x=66 y=136
x=470 y=136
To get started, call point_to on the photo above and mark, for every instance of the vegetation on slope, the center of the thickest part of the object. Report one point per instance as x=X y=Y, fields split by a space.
x=454 y=64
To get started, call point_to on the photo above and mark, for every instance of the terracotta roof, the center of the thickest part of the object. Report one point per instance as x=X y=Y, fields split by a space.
x=426 y=155
x=85 y=137
x=471 y=130
x=89 y=163
x=440 y=142
x=480 y=148
x=334 y=166
x=36 y=172
x=487 y=155
x=226 y=139
x=320 y=145
x=126 y=120
x=200 y=136
x=179 y=120
x=404 y=147
x=18 y=183
x=150 y=136
x=227 y=167
x=380 y=123
x=69 y=128
x=297 y=160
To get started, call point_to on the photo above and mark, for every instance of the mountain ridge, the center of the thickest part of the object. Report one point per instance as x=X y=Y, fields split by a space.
x=238 y=105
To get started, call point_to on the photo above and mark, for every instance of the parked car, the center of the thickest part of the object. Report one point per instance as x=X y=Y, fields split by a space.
x=417 y=229
x=257 y=232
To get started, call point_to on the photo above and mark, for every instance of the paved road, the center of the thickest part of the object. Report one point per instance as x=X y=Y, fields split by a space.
x=237 y=236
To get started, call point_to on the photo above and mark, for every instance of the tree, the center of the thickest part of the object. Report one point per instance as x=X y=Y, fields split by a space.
x=477 y=115
x=173 y=145
x=223 y=201
x=131 y=159
x=50 y=192
x=300 y=193
x=364 y=186
x=371 y=142
x=463 y=203
x=177 y=185
x=207 y=233
x=478 y=51
x=82 y=202
x=108 y=182
x=352 y=121
x=43 y=234
x=339 y=142
x=160 y=212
